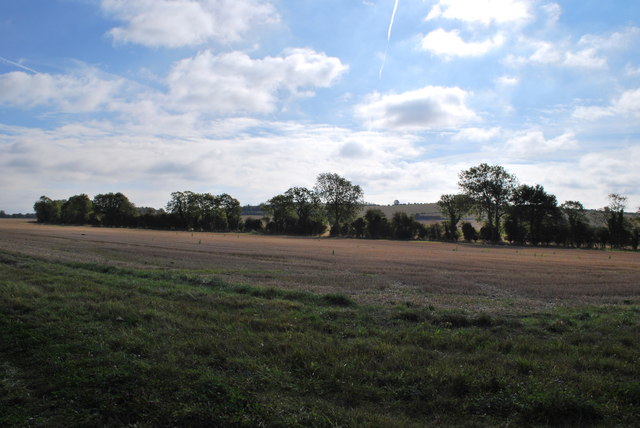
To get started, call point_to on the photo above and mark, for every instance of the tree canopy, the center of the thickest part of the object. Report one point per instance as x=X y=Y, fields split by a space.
x=454 y=207
x=490 y=187
x=342 y=199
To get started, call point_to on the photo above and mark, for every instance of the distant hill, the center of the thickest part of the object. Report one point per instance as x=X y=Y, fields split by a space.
x=425 y=213
x=251 y=211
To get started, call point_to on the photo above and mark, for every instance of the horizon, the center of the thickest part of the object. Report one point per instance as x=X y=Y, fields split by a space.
x=252 y=97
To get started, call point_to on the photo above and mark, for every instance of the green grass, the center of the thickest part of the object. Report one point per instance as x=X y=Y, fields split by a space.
x=95 y=345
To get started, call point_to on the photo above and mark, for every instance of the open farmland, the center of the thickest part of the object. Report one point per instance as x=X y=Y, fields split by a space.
x=379 y=272
x=155 y=328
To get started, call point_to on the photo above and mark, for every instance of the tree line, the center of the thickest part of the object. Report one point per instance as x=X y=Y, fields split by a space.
x=185 y=210
x=518 y=213
x=3 y=214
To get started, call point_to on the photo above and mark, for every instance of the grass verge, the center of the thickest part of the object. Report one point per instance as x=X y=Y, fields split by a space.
x=94 y=345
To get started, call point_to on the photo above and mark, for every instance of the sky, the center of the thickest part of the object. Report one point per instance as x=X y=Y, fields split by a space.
x=252 y=97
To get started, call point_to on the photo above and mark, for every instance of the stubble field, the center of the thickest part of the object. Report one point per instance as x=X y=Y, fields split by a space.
x=369 y=271
x=117 y=327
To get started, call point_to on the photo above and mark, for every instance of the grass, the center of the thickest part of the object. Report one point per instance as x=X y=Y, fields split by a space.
x=95 y=345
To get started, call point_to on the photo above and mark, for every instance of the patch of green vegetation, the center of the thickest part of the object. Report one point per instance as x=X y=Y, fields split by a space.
x=96 y=345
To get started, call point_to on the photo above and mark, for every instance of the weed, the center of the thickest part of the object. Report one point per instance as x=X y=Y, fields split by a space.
x=335 y=299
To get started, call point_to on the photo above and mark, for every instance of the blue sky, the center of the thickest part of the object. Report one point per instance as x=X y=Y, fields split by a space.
x=252 y=97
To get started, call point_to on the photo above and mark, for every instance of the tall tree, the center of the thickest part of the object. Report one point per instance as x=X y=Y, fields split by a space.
x=77 y=210
x=114 y=209
x=48 y=210
x=209 y=212
x=342 y=199
x=490 y=187
x=403 y=226
x=187 y=209
x=535 y=211
x=454 y=207
x=309 y=210
x=614 y=214
x=578 y=225
x=282 y=212
x=231 y=208
x=377 y=224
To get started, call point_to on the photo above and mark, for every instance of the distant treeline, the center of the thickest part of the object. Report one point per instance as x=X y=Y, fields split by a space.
x=520 y=214
x=5 y=215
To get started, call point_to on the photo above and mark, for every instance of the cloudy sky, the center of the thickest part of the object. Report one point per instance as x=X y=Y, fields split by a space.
x=251 y=97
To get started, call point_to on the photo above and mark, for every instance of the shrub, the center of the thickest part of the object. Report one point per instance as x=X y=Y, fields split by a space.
x=469 y=232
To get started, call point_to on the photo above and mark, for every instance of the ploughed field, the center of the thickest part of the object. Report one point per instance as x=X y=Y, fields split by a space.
x=369 y=271
x=120 y=327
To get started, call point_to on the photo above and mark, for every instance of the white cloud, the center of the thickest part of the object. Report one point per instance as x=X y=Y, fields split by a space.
x=250 y=165
x=588 y=178
x=630 y=70
x=206 y=83
x=533 y=143
x=82 y=92
x=622 y=40
x=176 y=23
x=628 y=104
x=450 y=44
x=507 y=80
x=354 y=150
x=553 y=11
x=585 y=58
x=431 y=107
x=590 y=52
x=483 y=12
x=234 y=82
x=254 y=166
x=556 y=54
x=477 y=134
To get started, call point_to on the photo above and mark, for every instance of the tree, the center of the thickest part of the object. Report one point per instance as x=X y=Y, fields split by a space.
x=47 y=210
x=342 y=199
x=434 y=232
x=208 y=212
x=282 y=212
x=469 y=232
x=377 y=224
x=309 y=211
x=204 y=211
x=454 y=207
x=231 y=208
x=490 y=187
x=614 y=214
x=181 y=208
x=113 y=209
x=77 y=209
x=253 y=224
x=359 y=227
x=578 y=227
x=635 y=231
x=403 y=226
x=534 y=211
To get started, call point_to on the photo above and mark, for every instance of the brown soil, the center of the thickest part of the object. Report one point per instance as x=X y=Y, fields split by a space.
x=381 y=272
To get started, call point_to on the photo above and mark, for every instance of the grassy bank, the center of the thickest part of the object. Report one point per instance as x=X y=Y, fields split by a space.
x=87 y=345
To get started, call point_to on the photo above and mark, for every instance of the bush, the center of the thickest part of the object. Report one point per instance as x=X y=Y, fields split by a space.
x=253 y=224
x=469 y=232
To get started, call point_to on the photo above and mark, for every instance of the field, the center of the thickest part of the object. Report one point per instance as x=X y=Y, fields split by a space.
x=157 y=328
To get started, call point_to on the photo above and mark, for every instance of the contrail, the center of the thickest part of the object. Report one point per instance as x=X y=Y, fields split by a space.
x=18 y=65
x=393 y=17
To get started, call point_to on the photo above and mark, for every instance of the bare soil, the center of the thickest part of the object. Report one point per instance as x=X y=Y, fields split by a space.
x=478 y=277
